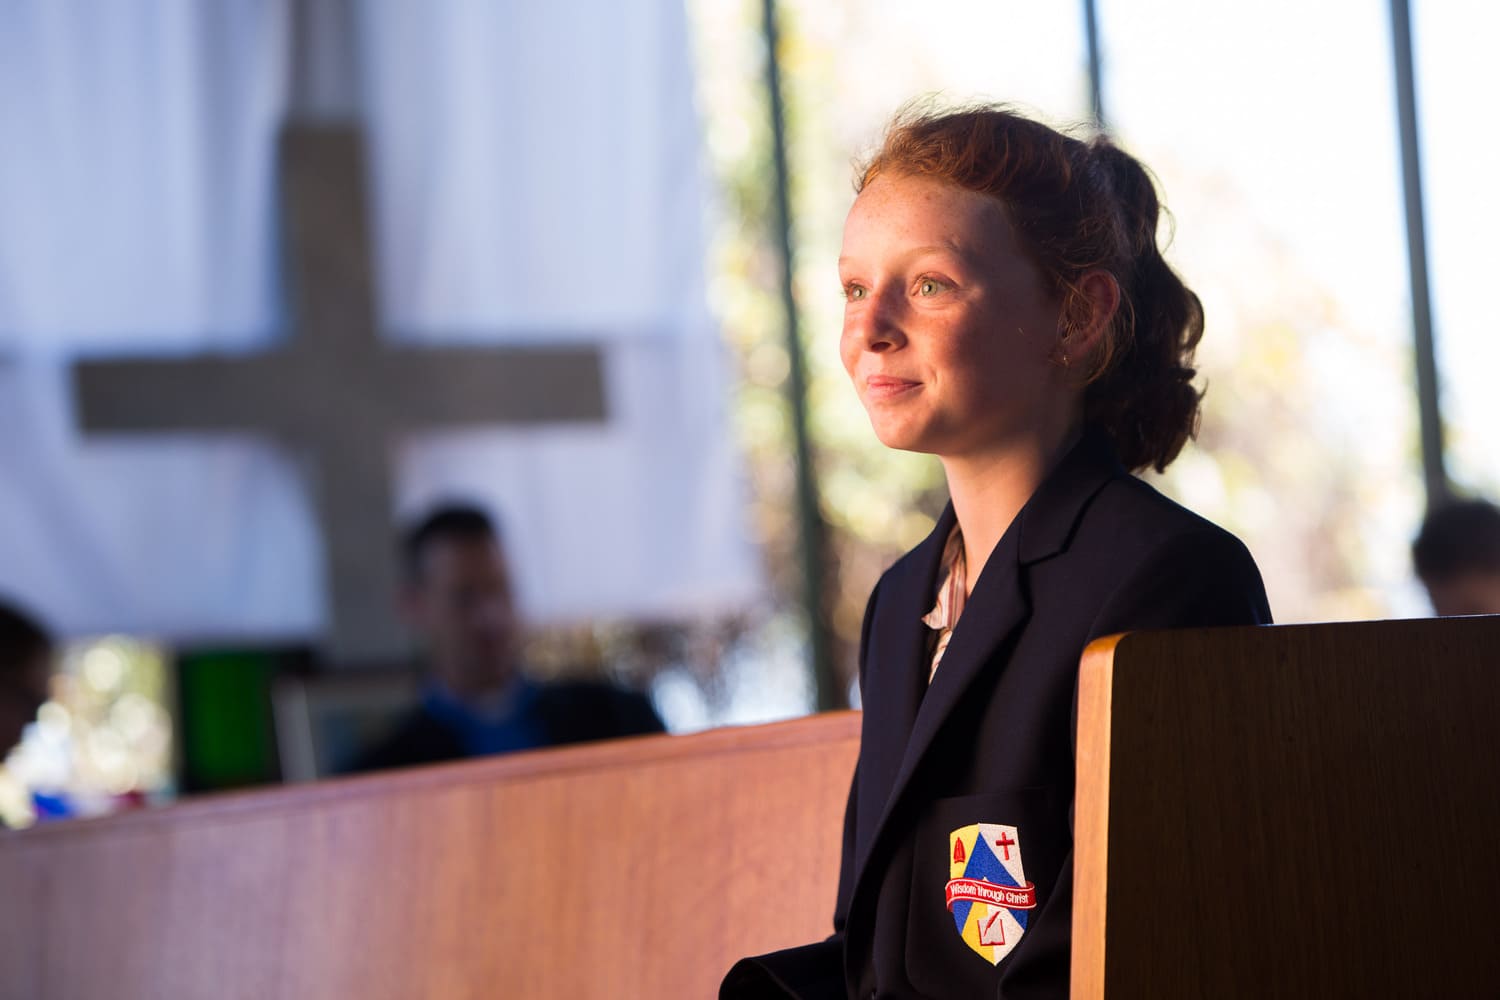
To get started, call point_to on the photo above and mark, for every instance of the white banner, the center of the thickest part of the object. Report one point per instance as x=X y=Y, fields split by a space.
x=535 y=177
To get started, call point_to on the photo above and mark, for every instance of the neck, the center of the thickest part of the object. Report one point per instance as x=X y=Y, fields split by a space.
x=989 y=489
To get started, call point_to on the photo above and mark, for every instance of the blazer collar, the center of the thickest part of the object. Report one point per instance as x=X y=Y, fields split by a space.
x=1046 y=524
x=1043 y=528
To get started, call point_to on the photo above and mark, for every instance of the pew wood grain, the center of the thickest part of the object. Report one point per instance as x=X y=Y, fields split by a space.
x=632 y=869
x=1294 y=811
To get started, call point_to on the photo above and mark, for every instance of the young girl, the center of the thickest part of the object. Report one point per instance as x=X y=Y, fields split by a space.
x=1009 y=311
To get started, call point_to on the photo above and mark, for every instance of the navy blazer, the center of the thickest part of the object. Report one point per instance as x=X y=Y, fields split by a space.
x=991 y=739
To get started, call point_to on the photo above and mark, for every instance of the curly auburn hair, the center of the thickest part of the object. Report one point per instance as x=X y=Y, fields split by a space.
x=1078 y=206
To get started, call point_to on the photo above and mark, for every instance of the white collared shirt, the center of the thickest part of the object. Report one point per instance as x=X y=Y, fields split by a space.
x=952 y=595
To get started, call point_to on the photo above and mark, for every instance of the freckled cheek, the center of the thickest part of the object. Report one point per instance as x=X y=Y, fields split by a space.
x=849 y=351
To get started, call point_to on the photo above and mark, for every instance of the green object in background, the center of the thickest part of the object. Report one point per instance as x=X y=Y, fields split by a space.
x=228 y=734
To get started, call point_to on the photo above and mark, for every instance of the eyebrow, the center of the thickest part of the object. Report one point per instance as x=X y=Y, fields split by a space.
x=950 y=247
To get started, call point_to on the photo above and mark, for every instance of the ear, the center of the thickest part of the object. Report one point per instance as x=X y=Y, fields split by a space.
x=1093 y=304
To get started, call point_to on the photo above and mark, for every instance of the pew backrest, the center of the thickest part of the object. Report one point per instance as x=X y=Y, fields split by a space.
x=637 y=868
x=1292 y=811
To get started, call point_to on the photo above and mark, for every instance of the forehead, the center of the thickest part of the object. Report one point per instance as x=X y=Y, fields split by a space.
x=923 y=211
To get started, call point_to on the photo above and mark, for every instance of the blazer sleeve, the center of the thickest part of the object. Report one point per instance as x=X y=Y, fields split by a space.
x=1198 y=580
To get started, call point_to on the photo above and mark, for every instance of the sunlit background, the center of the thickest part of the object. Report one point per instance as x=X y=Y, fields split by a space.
x=1272 y=129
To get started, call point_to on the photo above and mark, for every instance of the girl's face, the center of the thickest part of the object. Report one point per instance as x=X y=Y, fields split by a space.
x=950 y=335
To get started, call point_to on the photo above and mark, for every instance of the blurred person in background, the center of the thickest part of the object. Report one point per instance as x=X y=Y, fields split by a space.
x=1457 y=557
x=26 y=650
x=458 y=599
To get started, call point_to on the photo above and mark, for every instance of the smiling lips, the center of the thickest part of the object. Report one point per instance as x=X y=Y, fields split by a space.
x=888 y=387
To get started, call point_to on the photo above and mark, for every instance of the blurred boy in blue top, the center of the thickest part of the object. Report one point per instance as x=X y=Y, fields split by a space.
x=458 y=598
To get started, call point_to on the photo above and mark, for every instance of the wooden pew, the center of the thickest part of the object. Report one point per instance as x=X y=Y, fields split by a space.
x=634 y=869
x=1299 y=811
x=1289 y=812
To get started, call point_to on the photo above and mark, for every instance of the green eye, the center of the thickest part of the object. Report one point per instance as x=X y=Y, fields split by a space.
x=928 y=287
x=854 y=293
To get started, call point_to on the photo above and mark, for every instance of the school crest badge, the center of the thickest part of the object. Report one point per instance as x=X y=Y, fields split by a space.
x=988 y=895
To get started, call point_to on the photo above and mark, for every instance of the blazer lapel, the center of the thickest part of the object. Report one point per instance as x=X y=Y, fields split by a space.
x=895 y=648
x=997 y=608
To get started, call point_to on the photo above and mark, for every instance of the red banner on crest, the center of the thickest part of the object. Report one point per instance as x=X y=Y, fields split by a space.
x=980 y=891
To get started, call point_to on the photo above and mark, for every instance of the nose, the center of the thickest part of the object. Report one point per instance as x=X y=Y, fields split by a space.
x=874 y=324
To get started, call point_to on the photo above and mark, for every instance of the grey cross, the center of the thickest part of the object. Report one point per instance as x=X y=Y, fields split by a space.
x=335 y=391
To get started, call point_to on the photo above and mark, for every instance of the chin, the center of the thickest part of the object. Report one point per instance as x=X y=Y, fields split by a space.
x=902 y=439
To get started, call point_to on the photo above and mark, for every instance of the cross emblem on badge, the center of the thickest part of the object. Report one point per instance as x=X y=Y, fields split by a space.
x=1005 y=842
